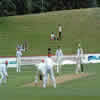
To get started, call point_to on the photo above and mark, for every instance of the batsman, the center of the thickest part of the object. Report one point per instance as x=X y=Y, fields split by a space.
x=49 y=70
x=46 y=68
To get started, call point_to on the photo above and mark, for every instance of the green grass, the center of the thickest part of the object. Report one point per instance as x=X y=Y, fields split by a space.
x=78 y=25
x=80 y=87
x=88 y=86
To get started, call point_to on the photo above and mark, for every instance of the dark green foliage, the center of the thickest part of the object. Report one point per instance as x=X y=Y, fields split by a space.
x=36 y=6
x=91 y=3
x=98 y=3
x=12 y=7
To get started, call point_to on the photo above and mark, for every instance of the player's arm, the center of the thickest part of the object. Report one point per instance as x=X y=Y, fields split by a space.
x=78 y=52
x=57 y=53
x=5 y=72
x=37 y=73
x=16 y=54
x=36 y=77
x=82 y=53
x=62 y=53
x=20 y=54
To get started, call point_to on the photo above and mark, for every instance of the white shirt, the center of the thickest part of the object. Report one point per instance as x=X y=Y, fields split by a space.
x=59 y=52
x=60 y=28
x=3 y=69
x=80 y=52
x=52 y=36
x=18 y=54
x=80 y=55
x=41 y=67
x=49 y=63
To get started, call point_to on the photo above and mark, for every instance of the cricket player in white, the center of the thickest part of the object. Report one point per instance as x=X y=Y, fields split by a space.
x=49 y=64
x=3 y=72
x=59 y=55
x=18 y=59
x=80 y=57
x=45 y=68
x=40 y=70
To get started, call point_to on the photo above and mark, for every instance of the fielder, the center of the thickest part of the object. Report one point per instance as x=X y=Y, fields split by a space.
x=3 y=73
x=18 y=59
x=79 y=67
x=59 y=55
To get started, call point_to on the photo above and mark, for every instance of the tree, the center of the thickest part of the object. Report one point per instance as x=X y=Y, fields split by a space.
x=12 y=7
x=36 y=6
x=92 y=3
x=98 y=3
x=1 y=9
x=28 y=6
x=20 y=6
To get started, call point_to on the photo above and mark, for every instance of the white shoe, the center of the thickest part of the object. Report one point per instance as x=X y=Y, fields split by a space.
x=54 y=84
x=44 y=86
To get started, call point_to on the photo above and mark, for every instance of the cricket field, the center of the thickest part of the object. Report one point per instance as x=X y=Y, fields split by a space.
x=78 y=25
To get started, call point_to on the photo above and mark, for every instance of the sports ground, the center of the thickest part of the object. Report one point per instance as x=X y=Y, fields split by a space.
x=79 y=25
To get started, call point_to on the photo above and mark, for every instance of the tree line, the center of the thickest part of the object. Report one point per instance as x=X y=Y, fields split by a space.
x=17 y=7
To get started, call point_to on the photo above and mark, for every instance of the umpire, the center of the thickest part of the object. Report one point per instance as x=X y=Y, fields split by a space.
x=80 y=56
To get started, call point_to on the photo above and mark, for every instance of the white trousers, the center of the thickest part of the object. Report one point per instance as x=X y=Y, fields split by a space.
x=58 y=64
x=78 y=68
x=78 y=65
x=18 y=67
x=52 y=77
x=3 y=78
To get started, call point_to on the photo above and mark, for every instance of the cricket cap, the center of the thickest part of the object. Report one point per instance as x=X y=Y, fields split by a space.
x=42 y=60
